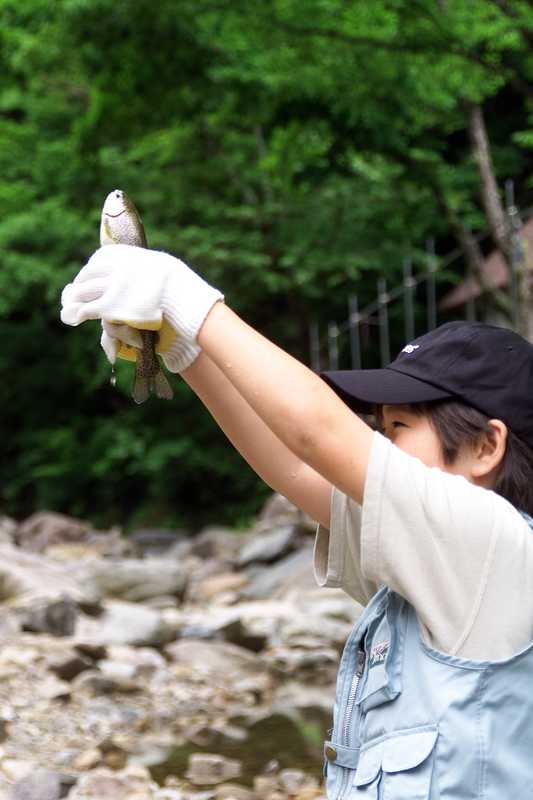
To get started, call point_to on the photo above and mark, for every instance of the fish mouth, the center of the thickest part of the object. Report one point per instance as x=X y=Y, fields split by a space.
x=115 y=215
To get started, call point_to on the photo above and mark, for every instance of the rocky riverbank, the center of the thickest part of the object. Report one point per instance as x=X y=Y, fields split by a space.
x=162 y=666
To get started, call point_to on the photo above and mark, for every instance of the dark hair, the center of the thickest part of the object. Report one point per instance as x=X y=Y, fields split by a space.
x=459 y=425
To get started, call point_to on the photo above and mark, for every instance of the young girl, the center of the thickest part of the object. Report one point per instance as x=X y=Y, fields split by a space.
x=426 y=522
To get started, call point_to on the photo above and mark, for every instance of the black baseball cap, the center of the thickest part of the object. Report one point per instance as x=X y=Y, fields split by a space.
x=485 y=366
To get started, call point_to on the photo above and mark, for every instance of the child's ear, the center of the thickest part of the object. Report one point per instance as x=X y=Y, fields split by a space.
x=490 y=450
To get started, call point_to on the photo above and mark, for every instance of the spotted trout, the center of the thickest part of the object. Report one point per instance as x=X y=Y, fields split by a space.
x=121 y=224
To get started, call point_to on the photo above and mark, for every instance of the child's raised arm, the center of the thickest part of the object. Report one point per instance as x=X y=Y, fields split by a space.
x=280 y=468
x=293 y=402
x=144 y=287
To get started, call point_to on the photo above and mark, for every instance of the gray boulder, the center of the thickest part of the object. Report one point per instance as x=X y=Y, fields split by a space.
x=268 y=547
x=125 y=623
x=43 y=784
x=47 y=528
x=136 y=580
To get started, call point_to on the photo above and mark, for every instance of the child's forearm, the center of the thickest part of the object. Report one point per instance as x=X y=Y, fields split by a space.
x=272 y=460
x=293 y=402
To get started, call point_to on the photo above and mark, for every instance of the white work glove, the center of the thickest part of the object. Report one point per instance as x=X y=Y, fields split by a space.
x=123 y=341
x=144 y=289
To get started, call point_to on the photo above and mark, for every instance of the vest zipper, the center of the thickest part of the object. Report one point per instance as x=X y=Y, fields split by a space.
x=353 y=693
x=359 y=669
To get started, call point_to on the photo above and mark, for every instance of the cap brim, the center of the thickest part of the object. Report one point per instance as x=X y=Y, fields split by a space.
x=361 y=389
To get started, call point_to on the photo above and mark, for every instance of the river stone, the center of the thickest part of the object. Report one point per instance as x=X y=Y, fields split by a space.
x=8 y=528
x=29 y=577
x=131 y=783
x=68 y=668
x=156 y=541
x=45 y=528
x=57 y=618
x=233 y=791
x=273 y=579
x=210 y=768
x=215 y=585
x=43 y=784
x=221 y=658
x=127 y=624
x=136 y=580
x=278 y=510
x=219 y=543
x=268 y=547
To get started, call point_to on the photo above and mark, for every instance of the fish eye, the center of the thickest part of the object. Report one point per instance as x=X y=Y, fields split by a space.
x=118 y=194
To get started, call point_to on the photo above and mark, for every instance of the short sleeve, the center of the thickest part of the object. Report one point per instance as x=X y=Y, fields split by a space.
x=337 y=551
x=438 y=540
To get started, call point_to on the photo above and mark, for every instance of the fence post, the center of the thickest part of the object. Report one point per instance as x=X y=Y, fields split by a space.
x=430 y=286
x=408 y=295
x=333 y=345
x=355 y=341
x=314 y=346
x=384 y=345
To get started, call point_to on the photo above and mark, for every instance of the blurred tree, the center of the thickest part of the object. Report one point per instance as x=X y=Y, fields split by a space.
x=287 y=150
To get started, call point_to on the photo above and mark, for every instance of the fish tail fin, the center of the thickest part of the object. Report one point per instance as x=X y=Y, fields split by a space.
x=141 y=388
x=161 y=386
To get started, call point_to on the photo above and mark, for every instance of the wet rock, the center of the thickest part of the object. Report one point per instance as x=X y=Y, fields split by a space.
x=136 y=580
x=57 y=618
x=210 y=768
x=268 y=547
x=46 y=528
x=42 y=784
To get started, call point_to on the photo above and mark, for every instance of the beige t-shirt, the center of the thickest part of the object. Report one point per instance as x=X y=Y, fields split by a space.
x=461 y=555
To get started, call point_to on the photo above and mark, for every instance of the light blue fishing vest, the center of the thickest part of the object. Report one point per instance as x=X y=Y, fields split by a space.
x=411 y=723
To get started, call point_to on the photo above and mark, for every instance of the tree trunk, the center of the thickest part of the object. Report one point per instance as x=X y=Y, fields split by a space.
x=504 y=227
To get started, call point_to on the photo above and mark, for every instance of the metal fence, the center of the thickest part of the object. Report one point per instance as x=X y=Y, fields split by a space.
x=376 y=314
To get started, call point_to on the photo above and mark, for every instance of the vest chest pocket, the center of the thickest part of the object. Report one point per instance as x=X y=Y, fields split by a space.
x=398 y=767
x=384 y=644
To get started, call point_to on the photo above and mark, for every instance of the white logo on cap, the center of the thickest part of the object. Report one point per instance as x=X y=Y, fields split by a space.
x=410 y=348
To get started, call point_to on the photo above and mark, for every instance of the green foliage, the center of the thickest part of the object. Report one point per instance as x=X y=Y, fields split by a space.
x=288 y=150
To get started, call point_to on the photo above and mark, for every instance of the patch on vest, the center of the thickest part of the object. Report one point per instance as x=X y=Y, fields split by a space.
x=378 y=653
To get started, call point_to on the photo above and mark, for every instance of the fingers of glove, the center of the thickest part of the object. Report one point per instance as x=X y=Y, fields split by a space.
x=113 y=346
x=123 y=333
x=74 y=313
x=110 y=346
x=84 y=292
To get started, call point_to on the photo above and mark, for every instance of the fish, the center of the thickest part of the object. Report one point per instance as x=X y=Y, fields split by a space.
x=121 y=223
